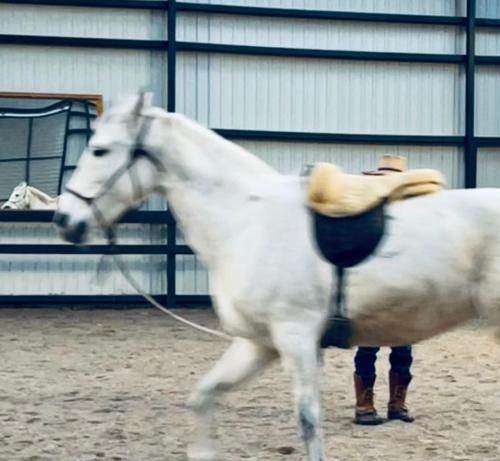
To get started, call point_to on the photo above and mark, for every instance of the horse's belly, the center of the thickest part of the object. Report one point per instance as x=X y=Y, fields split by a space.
x=407 y=323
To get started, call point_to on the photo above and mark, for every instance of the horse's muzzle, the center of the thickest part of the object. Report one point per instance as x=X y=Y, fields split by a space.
x=75 y=233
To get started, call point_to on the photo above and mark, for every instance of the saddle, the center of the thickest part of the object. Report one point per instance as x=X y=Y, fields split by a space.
x=334 y=193
x=349 y=222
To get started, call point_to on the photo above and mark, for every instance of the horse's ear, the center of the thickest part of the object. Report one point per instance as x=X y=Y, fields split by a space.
x=148 y=99
x=144 y=100
x=22 y=185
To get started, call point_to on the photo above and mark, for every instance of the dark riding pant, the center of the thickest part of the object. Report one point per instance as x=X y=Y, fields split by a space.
x=400 y=359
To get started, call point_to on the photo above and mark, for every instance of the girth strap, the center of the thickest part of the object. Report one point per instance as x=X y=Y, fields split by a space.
x=339 y=328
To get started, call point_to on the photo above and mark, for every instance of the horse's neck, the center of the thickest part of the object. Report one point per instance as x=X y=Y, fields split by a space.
x=39 y=200
x=214 y=186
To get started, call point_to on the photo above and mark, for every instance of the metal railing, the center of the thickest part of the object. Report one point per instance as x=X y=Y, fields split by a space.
x=170 y=249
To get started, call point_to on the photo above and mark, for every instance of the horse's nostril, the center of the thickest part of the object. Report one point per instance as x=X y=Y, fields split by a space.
x=60 y=219
x=6 y=207
x=78 y=232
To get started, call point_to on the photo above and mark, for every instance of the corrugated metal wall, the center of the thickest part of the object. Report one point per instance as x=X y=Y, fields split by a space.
x=290 y=94
x=261 y=93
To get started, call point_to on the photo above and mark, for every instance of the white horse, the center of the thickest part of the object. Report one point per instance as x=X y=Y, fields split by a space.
x=438 y=266
x=24 y=197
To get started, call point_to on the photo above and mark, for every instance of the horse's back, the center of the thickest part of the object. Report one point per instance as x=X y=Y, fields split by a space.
x=438 y=252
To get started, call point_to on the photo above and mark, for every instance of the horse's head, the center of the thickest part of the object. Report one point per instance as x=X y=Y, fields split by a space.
x=18 y=199
x=118 y=169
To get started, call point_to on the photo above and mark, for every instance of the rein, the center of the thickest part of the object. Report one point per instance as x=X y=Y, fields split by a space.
x=133 y=283
x=137 y=151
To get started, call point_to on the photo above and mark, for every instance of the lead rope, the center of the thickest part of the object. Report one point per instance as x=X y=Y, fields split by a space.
x=128 y=277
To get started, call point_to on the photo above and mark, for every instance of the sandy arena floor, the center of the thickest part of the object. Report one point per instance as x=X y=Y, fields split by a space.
x=111 y=385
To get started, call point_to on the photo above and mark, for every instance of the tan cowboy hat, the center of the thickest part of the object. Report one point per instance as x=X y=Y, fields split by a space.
x=389 y=164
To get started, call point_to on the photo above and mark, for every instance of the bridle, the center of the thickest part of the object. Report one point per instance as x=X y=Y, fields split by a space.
x=137 y=151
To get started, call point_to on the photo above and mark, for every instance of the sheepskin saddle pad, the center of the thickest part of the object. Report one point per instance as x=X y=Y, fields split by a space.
x=331 y=192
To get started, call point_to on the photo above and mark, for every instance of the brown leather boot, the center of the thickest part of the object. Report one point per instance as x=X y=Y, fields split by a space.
x=365 y=413
x=397 y=409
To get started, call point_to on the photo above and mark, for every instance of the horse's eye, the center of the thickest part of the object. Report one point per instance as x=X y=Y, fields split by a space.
x=100 y=152
x=139 y=152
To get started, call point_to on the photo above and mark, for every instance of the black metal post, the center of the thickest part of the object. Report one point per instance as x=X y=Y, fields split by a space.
x=171 y=76
x=172 y=51
x=470 y=147
x=65 y=148
x=28 y=150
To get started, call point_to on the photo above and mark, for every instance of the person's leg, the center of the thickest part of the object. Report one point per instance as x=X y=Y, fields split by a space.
x=399 y=379
x=364 y=380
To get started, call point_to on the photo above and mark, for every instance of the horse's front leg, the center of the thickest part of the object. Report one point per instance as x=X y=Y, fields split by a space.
x=298 y=346
x=240 y=362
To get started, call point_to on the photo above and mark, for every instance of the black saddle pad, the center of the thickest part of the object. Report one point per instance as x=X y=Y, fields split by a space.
x=348 y=240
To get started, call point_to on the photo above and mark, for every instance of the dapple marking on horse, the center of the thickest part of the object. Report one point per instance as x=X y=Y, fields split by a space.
x=25 y=197
x=438 y=265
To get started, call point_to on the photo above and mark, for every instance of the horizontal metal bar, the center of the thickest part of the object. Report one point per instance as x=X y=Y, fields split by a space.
x=485 y=141
x=487 y=22
x=256 y=11
x=45 y=216
x=118 y=43
x=79 y=131
x=231 y=49
x=67 y=249
x=339 y=138
x=321 y=14
x=93 y=301
x=24 y=159
x=320 y=54
x=133 y=4
x=488 y=60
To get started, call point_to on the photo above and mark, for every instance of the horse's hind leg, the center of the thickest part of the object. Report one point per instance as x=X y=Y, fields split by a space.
x=240 y=362
x=299 y=351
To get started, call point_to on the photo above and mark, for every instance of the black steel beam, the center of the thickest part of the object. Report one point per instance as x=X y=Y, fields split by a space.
x=171 y=105
x=266 y=12
x=340 y=138
x=470 y=150
x=320 y=54
x=487 y=60
x=257 y=11
x=128 y=4
x=40 y=40
x=172 y=55
x=28 y=151
x=487 y=22
x=66 y=249
x=45 y=216
x=118 y=43
x=94 y=301
x=485 y=141
x=321 y=14
x=79 y=130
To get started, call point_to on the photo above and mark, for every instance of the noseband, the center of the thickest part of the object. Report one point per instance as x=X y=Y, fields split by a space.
x=137 y=151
